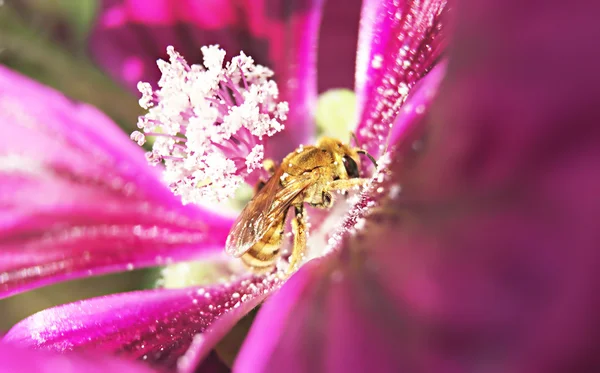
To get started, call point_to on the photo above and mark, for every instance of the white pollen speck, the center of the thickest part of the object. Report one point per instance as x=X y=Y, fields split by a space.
x=395 y=191
x=376 y=63
x=138 y=137
x=403 y=89
x=337 y=276
x=360 y=223
x=417 y=145
x=255 y=158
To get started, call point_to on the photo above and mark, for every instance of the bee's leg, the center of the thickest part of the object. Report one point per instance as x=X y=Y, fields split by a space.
x=327 y=200
x=269 y=166
x=259 y=185
x=346 y=184
x=299 y=231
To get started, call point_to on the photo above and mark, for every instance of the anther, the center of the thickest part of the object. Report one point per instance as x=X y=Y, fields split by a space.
x=209 y=122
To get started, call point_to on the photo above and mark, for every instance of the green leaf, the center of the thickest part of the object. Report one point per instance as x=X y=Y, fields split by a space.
x=80 y=15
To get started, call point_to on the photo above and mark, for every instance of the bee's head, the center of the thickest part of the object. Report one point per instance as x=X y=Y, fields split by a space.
x=346 y=156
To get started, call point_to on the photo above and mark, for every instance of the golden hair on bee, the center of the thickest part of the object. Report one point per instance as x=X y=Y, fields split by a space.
x=307 y=175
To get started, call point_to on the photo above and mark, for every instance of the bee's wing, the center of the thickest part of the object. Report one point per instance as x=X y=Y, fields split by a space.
x=264 y=210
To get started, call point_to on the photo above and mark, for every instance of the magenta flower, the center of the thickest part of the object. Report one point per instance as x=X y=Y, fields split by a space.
x=18 y=360
x=474 y=248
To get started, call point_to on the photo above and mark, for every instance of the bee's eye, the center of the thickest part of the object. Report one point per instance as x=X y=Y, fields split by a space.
x=351 y=167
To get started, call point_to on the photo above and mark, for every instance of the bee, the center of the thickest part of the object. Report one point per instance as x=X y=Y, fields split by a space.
x=308 y=175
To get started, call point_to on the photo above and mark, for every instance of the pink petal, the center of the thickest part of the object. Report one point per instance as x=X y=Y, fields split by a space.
x=200 y=348
x=77 y=197
x=481 y=250
x=19 y=360
x=293 y=50
x=131 y=34
x=399 y=42
x=156 y=326
x=338 y=36
x=418 y=103
x=276 y=326
x=325 y=319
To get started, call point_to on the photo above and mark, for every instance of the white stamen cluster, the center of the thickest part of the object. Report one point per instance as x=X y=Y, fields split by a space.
x=209 y=122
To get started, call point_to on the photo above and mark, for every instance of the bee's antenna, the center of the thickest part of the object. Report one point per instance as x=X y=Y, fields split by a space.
x=355 y=139
x=369 y=156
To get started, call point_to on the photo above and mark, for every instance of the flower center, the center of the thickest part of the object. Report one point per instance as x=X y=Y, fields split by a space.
x=209 y=122
x=336 y=114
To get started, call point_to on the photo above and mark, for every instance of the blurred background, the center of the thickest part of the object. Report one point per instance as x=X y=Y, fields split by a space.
x=46 y=40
